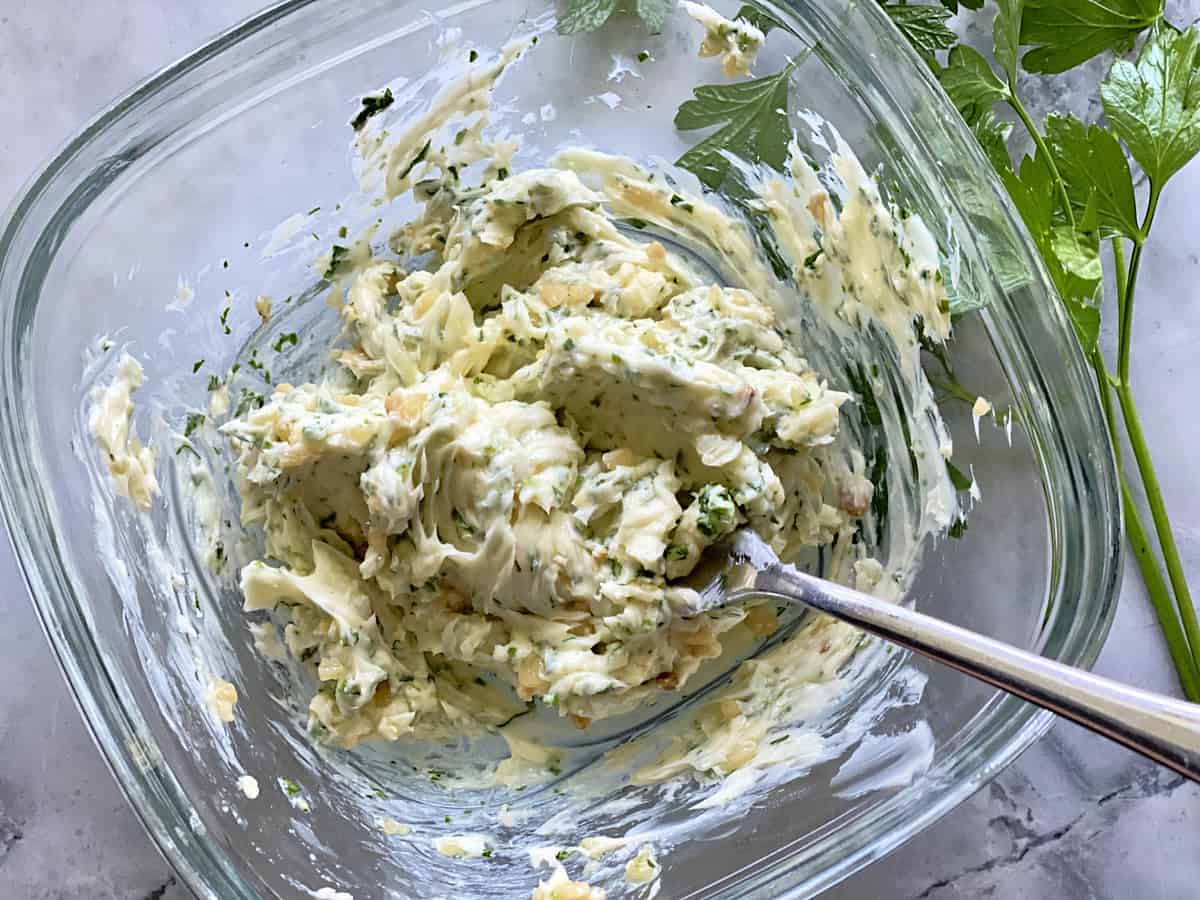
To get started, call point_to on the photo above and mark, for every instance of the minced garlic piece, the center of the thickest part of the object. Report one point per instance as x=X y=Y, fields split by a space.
x=221 y=697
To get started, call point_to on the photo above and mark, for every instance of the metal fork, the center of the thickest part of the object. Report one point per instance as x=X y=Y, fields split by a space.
x=742 y=569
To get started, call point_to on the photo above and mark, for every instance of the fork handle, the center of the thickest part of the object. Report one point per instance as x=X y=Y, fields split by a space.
x=1161 y=728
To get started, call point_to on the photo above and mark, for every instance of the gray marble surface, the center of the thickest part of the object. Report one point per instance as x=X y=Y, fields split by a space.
x=1073 y=818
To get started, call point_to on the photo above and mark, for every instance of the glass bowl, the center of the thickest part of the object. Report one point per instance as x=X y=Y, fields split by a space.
x=177 y=188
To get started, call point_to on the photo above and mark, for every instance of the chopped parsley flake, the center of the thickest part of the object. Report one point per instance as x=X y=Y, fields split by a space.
x=372 y=105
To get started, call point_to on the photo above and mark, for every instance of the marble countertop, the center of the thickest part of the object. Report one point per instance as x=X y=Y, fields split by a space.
x=1075 y=817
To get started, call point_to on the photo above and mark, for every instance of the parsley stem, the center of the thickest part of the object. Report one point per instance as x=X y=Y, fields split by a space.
x=1135 y=531
x=1137 y=438
x=1125 y=332
x=1160 y=596
x=1158 y=512
x=1118 y=252
x=1018 y=107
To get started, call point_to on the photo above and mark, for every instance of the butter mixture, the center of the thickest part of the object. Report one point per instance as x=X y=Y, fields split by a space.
x=536 y=434
x=540 y=412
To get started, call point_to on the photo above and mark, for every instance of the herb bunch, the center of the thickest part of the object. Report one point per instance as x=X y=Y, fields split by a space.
x=1075 y=191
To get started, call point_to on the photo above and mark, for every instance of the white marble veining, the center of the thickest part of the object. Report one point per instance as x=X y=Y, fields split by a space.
x=1074 y=818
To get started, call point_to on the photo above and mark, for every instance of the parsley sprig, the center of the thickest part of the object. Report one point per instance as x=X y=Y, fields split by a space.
x=1075 y=190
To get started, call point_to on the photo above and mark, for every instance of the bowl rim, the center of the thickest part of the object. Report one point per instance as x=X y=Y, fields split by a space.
x=155 y=795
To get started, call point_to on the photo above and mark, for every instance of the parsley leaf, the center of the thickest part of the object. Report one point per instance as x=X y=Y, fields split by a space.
x=1085 y=319
x=1153 y=104
x=1066 y=33
x=1078 y=254
x=760 y=19
x=588 y=15
x=584 y=15
x=1092 y=165
x=1072 y=255
x=992 y=134
x=756 y=127
x=924 y=27
x=953 y=5
x=1006 y=36
x=971 y=84
x=654 y=12
x=1032 y=191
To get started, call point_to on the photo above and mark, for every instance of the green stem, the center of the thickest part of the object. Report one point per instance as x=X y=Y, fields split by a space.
x=1160 y=597
x=1110 y=417
x=1118 y=251
x=1137 y=438
x=1125 y=305
x=1019 y=108
x=1158 y=512
x=1135 y=531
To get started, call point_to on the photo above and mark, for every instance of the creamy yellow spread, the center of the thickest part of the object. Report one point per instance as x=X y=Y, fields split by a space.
x=735 y=41
x=130 y=463
x=539 y=417
x=535 y=436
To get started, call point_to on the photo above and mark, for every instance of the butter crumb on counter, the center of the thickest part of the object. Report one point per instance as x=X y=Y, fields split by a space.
x=248 y=785
x=643 y=868
x=464 y=846
x=600 y=846
x=390 y=826
x=559 y=886
x=221 y=697
x=980 y=409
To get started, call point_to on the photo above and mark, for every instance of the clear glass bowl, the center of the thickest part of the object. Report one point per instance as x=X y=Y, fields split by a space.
x=225 y=144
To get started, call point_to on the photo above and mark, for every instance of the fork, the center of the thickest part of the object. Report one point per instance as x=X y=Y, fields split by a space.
x=742 y=569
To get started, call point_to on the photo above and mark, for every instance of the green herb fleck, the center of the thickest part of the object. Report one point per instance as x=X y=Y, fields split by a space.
x=717 y=514
x=284 y=340
x=372 y=105
x=959 y=478
x=337 y=256
x=415 y=160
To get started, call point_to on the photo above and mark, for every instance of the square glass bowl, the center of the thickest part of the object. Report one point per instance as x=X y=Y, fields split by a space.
x=211 y=154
